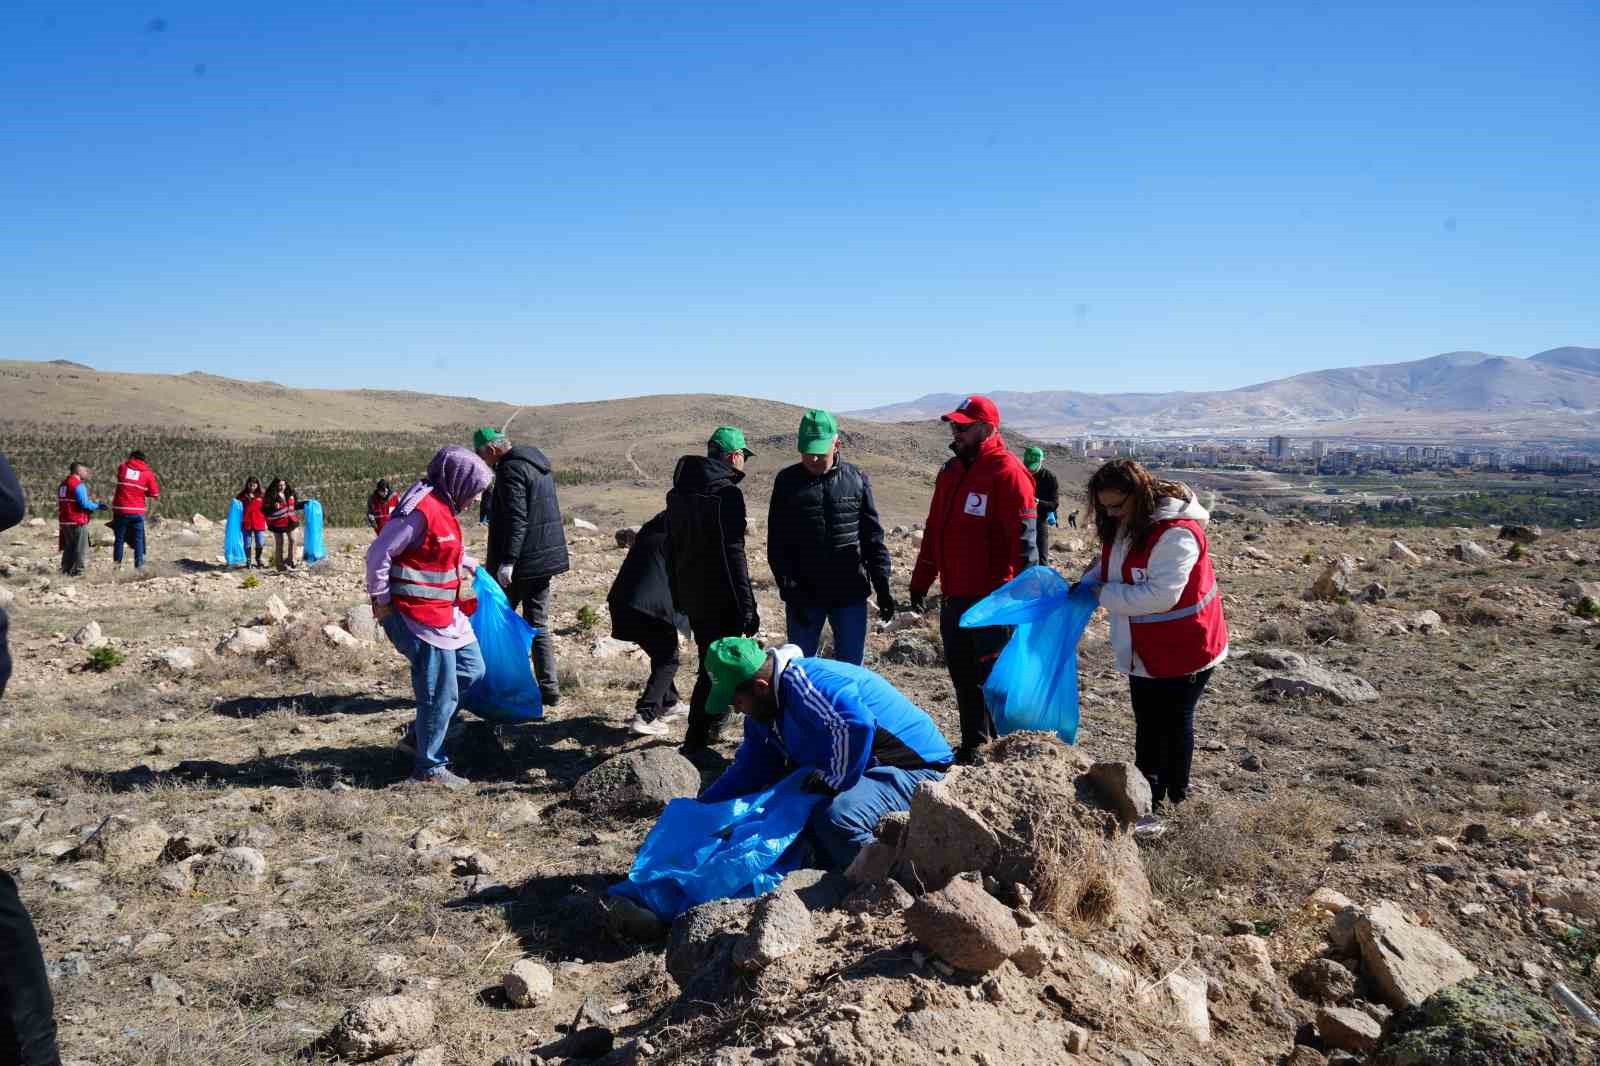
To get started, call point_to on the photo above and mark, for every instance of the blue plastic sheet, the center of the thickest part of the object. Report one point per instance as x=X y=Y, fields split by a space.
x=703 y=851
x=507 y=691
x=313 y=549
x=233 y=535
x=1034 y=683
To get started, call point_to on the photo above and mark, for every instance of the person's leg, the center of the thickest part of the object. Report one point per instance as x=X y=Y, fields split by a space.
x=1180 y=750
x=803 y=627
x=119 y=534
x=1150 y=742
x=662 y=648
x=5 y=652
x=962 y=664
x=288 y=546
x=470 y=668
x=704 y=728
x=1043 y=539
x=261 y=543
x=842 y=826
x=277 y=549
x=136 y=532
x=849 y=632
x=533 y=596
x=27 y=1012
x=433 y=679
x=82 y=540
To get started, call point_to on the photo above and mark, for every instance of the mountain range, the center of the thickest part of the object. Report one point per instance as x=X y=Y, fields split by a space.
x=1551 y=396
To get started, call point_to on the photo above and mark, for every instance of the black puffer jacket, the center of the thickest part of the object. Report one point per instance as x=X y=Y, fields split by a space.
x=641 y=585
x=524 y=517
x=1048 y=492
x=824 y=540
x=705 y=543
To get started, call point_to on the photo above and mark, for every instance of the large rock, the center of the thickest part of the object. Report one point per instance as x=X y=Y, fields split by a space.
x=780 y=925
x=1402 y=554
x=945 y=837
x=908 y=650
x=637 y=782
x=1470 y=552
x=178 y=660
x=89 y=635
x=1520 y=534
x=528 y=983
x=339 y=637
x=246 y=864
x=1477 y=1021
x=359 y=623
x=703 y=938
x=200 y=522
x=1574 y=591
x=1182 y=996
x=611 y=648
x=247 y=640
x=188 y=538
x=1405 y=962
x=626 y=536
x=1324 y=981
x=1348 y=1029
x=120 y=841
x=7 y=597
x=1335 y=581
x=1291 y=674
x=382 y=1025
x=1123 y=787
x=1581 y=899
x=965 y=926
x=277 y=610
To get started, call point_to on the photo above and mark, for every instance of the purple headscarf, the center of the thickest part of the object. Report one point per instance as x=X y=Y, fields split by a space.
x=455 y=474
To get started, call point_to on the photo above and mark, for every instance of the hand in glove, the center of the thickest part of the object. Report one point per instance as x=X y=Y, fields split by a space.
x=752 y=625
x=919 y=601
x=817 y=784
x=1051 y=520
x=886 y=605
x=503 y=575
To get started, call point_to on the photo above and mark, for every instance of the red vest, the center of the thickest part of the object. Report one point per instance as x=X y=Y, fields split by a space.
x=283 y=518
x=1193 y=633
x=425 y=579
x=255 y=517
x=68 y=513
x=135 y=481
x=380 y=510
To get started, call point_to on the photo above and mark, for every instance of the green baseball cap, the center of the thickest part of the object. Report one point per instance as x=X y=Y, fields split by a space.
x=730 y=439
x=730 y=662
x=817 y=430
x=486 y=435
x=1033 y=458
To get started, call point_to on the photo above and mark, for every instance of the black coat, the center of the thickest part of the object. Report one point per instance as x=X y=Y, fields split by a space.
x=824 y=540
x=705 y=543
x=1048 y=492
x=13 y=505
x=641 y=586
x=524 y=518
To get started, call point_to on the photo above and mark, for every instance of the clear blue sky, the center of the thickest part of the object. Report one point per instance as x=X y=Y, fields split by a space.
x=824 y=203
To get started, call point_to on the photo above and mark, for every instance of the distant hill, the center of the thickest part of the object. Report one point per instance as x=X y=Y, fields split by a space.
x=1458 y=394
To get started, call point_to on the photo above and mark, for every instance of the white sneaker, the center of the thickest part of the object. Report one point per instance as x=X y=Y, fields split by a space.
x=676 y=713
x=643 y=728
x=1150 y=827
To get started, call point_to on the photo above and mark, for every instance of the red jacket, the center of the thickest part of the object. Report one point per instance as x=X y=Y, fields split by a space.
x=135 y=482
x=980 y=530
x=425 y=579
x=379 y=510
x=255 y=514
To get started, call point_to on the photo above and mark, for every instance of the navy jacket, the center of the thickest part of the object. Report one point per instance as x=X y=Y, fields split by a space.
x=524 y=518
x=824 y=540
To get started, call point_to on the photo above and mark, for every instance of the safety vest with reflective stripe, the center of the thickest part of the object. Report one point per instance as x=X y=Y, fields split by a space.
x=425 y=579
x=282 y=517
x=379 y=510
x=1189 y=637
x=68 y=513
x=135 y=482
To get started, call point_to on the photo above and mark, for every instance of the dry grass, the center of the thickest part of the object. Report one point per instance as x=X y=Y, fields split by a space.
x=1229 y=843
x=1083 y=873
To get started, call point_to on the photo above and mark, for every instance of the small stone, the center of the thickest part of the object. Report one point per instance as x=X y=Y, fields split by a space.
x=779 y=926
x=965 y=925
x=528 y=983
x=382 y=1025
x=1123 y=787
x=164 y=988
x=1348 y=1029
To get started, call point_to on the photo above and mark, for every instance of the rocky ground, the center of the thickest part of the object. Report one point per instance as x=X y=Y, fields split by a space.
x=206 y=817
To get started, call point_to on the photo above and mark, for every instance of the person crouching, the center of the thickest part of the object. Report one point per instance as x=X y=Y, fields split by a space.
x=420 y=582
x=866 y=745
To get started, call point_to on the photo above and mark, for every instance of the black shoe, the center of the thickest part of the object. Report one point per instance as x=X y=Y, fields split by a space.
x=549 y=697
x=968 y=756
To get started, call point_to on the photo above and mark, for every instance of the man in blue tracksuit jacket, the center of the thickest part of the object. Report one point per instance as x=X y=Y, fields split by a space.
x=868 y=747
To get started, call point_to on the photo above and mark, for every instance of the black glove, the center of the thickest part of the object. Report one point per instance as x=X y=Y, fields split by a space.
x=919 y=601
x=886 y=605
x=817 y=784
x=752 y=624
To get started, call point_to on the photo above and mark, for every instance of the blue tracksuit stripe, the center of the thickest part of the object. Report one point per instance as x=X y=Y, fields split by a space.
x=824 y=709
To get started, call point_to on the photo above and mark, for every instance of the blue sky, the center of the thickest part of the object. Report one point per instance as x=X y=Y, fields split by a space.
x=829 y=204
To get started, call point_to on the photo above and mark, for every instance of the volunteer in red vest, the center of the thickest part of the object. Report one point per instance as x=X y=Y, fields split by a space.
x=73 y=508
x=282 y=510
x=253 y=523
x=136 y=486
x=1155 y=580
x=380 y=505
x=980 y=534
x=421 y=587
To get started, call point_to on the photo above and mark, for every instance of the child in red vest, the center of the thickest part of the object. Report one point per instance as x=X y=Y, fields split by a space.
x=254 y=522
x=380 y=505
x=282 y=518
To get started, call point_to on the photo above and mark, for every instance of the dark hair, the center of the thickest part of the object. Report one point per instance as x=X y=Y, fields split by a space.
x=243 y=492
x=72 y=467
x=382 y=487
x=136 y=455
x=714 y=452
x=1145 y=493
x=288 y=489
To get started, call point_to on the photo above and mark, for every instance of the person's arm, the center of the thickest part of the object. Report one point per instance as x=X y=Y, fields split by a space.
x=1171 y=562
x=756 y=765
x=874 y=552
x=777 y=541
x=1048 y=490
x=13 y=504
x=394 y=539
x=153 y=489
x=733 y=523
x=844 y=725
x=518 y=491
x=927 y=565
x=1016 y=511
x=82 y=496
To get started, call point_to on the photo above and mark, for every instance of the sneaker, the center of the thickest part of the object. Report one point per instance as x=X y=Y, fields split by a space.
x=549 y=697
x=443 y=777
x=646 y=727
x=407 y=744
x=1150 y=827
x=675 y=713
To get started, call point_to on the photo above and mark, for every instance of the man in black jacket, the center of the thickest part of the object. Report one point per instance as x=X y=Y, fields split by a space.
x=1048 y=498
x=527 y=543
x=706 y=566
x=642 y=613
x=825 y=544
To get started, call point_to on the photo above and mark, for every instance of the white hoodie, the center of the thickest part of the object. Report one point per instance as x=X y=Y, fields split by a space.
x=1158 y=587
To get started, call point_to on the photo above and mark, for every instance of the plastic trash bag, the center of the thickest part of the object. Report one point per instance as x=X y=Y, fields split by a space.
x=1034 y=683
x=233 y=535
x=703 y=851
x=507 y=691
x=312 y=548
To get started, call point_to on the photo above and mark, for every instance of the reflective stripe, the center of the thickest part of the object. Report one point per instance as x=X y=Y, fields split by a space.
x=421 y=592
x=1181 y=612
x=434 y=576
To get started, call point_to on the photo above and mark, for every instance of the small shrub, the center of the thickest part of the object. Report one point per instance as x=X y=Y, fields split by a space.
x=104 y=658
x=1308 y=557
x=1515 y=553
x=250 y=582
x=588 y=618
x=1587 y=608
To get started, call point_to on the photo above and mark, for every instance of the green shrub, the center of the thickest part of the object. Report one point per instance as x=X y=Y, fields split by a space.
x=250 y=582
x=104 y=658
x=1308 y=557
x=1515 y=553
x=1587 y=608
x=588 y=618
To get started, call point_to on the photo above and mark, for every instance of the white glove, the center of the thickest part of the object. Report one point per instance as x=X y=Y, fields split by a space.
x=503 y=575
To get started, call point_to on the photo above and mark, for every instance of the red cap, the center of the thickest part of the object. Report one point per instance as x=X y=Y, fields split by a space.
x=974 y=409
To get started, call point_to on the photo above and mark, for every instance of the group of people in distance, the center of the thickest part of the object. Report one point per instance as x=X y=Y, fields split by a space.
x=130 y=503
x=277 y=510
x=867 y=746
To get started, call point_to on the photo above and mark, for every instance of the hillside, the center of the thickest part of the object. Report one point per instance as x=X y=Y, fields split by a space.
x=1466 y=395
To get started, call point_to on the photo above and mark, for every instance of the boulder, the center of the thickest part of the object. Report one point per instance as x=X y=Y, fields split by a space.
x=1574 y=591
x=528 y=983
x=89 y=635
x=381 y=1026
x=338 y=637
x=964 y=925
x=120 y=841
x=1182 y=996
x=909 y=650
x=1295 y=675
x=177 y=660
x=246 y=864
x=1425 y=622
x=1348 y=1029
x=1123 y=788
x=1581 y=899
x=359 y=623
x=878 y=897
x=1470 y=552
x=611 y=648
x=945 y=837
x=1324 y=981
x=247 y=640
x=1520 y=534
x=780 y=925
x=703 y=938
x=637 y=782
x=1402 y=554
x=1478 y=1020
x=200 y=522
x=277 y=610
x=7 y=597
x=1405 y=962
x=631 y=922
x=1335 y=581
x=188 y=538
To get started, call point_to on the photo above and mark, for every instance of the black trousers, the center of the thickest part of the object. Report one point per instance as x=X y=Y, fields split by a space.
x=969 y=654
x=704 y=727
x=5 y=651
x=1163 y=744
x=27 y=1013
x=1043 y=537
x=660 y=642
x=532 y=596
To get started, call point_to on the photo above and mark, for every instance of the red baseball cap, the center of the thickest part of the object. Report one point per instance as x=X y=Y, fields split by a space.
x=974 y=409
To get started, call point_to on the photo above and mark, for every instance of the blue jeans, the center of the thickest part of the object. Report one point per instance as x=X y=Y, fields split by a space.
x=438 y=677
x=848 y=822
x=849 y=629
x=129 y=528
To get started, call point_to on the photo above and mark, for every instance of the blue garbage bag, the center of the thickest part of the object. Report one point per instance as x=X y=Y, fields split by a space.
x=312 y=548
x=233 y=535
x=736 y=848
x=506 y=692
x=1034 y=683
